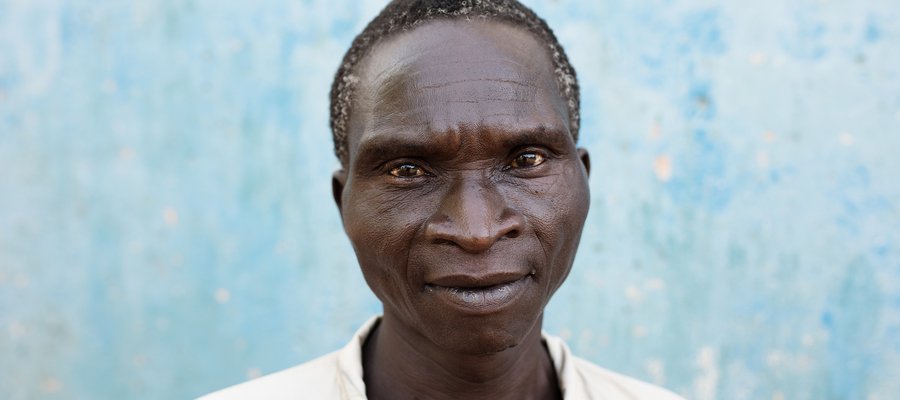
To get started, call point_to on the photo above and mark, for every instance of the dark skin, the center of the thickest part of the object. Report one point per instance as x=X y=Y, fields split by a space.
x=464 y=197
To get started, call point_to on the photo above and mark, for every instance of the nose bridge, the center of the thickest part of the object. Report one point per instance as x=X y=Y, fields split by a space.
x=473 y=214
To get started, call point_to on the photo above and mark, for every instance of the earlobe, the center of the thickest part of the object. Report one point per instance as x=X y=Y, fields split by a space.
x=585 y=160
x=338 y=179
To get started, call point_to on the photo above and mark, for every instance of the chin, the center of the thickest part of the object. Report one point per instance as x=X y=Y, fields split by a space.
x=483 y=335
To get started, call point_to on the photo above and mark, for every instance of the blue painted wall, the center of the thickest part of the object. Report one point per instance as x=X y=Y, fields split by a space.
x=166 y=227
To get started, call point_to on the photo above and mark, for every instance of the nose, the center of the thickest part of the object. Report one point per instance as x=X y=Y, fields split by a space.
x=473 y=215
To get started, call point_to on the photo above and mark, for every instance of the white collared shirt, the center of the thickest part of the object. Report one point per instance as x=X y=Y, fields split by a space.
x=339 y=375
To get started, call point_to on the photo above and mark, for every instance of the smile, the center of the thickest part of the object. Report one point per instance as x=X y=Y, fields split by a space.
x=481 y=299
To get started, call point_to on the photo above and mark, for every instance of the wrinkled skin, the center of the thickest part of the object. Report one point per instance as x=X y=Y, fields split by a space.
x=464 y=197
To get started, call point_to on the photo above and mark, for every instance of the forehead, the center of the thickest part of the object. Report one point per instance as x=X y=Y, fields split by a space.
x=456 y=75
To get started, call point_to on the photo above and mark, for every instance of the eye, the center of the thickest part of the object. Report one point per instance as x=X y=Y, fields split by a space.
x=407 y=171
x=527 y=159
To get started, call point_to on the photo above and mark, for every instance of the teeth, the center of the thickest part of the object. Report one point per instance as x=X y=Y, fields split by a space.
x=471 y=297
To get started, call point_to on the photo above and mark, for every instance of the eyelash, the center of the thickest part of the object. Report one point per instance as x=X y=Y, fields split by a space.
x=392 y=169
x=540 y=156
x=395 y=170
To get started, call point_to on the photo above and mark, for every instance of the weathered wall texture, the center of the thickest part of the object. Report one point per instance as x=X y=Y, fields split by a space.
x=166 y=225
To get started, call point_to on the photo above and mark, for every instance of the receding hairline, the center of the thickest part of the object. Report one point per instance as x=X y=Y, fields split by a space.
x=509 y=30
x=374 y=73
x=402 y=16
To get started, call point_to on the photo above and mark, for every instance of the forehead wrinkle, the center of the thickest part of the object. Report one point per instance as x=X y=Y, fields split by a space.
x=399 y=72
x=471 y=60
x=398 y=100
x=528 y=84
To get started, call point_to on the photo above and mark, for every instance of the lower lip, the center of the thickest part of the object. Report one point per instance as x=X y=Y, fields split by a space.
x=481 y=300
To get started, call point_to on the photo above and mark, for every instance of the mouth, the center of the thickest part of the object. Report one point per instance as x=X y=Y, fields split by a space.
x=480 y=296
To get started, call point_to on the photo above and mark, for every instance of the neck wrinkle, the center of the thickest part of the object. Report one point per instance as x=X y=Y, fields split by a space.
x=421 y=369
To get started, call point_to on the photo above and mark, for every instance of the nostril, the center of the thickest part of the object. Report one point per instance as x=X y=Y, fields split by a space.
x=474 y=223
x=512 y=234
x=442 y=241
x=511 y=224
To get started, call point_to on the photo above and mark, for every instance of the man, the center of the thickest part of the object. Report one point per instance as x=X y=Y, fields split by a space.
x=464 y=196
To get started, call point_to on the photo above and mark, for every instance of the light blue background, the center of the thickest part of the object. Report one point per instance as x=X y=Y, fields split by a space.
x=166 y=227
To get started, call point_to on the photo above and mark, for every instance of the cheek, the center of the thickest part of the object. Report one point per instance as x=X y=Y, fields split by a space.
x=556 y=214
x=382 y=227
x=383 y=222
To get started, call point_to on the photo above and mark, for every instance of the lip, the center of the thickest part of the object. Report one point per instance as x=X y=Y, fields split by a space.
x=471 y=281
x=473 y=295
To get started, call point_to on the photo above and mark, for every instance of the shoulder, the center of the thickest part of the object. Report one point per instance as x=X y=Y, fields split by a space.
x=318 y=377
x=582 y=379
x=337 y=375
x=609 y=384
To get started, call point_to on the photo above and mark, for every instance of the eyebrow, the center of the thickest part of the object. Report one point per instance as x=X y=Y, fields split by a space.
x=374 y=150
x=555 y=138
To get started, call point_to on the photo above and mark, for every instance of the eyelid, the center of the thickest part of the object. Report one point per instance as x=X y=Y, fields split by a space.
x=547 y=154
x=390 y=166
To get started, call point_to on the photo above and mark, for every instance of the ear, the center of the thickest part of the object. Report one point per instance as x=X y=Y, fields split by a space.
x=585 y=160
x=338 y=180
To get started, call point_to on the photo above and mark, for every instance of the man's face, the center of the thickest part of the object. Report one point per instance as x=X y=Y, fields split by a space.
x=464 y=195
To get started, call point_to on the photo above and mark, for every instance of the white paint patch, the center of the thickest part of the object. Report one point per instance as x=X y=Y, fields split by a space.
x=762 y=160
x=51 y=385
x=634 y=294
x=775 y=359
x=655 y=284
x=282 y=247
x=808 y=340
x=162 y=324
x=170 y=216
x=585 y=338
x=222 y=295
x=139 y=360
x=142 y=12
x=22 y=281
x=33 y=42
x=707 y=381
x=253 y=373
x=231 y=47
x=657 y=371
x=126 y=153
x=603 y=341
x=639 y=331
x=655 y=131
x=758 y=58
x=846 y=139
x=16 y=330
x=109 y=86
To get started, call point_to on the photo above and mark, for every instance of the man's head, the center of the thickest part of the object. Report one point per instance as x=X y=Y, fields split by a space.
x=462 y=189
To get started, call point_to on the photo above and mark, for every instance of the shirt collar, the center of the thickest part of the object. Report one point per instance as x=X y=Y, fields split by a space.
x=350 y=369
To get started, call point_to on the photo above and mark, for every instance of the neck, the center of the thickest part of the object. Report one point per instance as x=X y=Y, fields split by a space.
x=398 y=366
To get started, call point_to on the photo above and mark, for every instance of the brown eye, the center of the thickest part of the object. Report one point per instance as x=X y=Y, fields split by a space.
x=407 y=171
x=527 y=159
